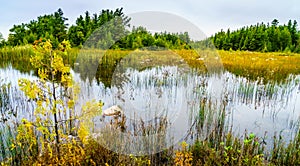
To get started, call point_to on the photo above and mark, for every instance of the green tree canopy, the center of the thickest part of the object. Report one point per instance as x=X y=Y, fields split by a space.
x=52 y=26
x=87 y=24
x=260 y=37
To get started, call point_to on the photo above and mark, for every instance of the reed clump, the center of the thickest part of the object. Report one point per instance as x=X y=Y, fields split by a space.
x=252 y=65
x=22 y=144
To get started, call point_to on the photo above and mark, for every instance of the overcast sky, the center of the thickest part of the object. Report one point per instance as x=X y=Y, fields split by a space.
x=208 y=15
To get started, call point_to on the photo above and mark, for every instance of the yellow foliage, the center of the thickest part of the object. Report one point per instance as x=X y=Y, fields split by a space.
x=89 y=111
x=83 y=132
x=183 y=157
x=51 y=68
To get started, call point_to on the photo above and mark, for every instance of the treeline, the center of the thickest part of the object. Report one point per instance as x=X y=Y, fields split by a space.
x=261 y=37
x=53 y=27
x=112 y=26
x=110 y=29
x=141 y=38
x=87 y=24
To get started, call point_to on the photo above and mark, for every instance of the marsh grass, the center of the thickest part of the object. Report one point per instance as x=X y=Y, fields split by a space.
x=18 y=57
x=213 y=141
x=220 y=146
x=266 y=66
x=252 y=65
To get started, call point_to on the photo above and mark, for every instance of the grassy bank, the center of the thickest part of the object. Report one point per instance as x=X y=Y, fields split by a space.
x=21 y=145
x=21 y=142
x=252 y=65
x=226 y=149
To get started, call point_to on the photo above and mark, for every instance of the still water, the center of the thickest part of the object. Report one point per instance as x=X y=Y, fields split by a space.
x=180 y=95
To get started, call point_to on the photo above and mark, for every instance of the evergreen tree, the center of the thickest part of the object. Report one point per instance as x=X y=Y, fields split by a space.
x=87 y=24
x=260 y=37
x=51 y=26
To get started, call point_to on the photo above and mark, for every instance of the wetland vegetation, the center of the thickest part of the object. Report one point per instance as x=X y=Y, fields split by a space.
x=201 y=106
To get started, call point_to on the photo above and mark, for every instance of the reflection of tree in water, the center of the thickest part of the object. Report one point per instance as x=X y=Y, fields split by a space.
x=21 y=65
x=95 y=59
x=87 y=69
x=107 y=71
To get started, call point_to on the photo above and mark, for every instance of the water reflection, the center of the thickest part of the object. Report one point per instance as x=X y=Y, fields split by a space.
x=193 y=103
